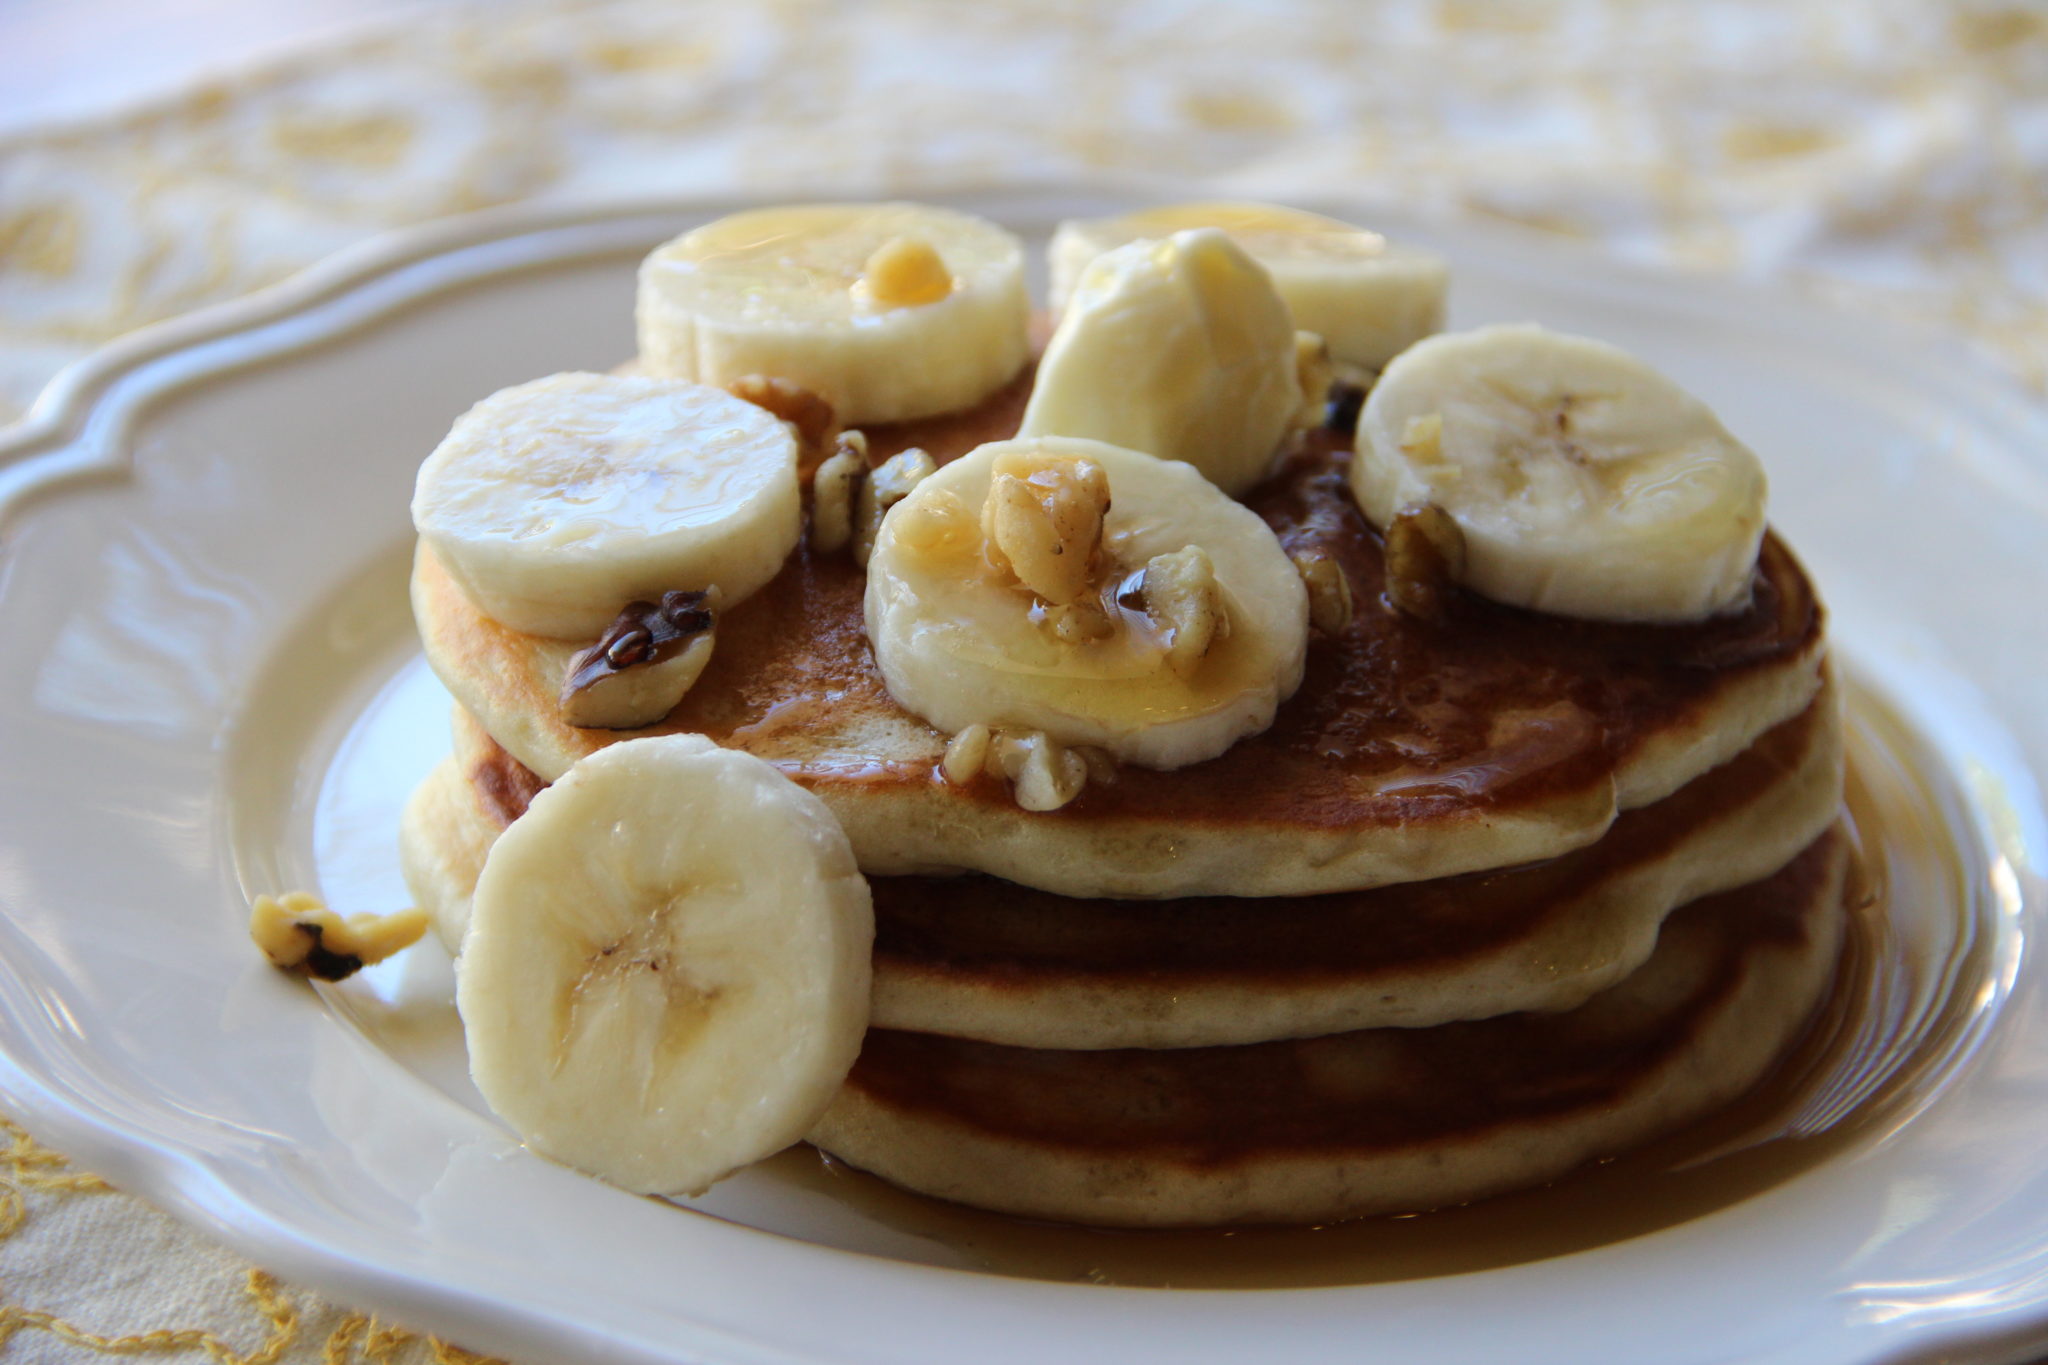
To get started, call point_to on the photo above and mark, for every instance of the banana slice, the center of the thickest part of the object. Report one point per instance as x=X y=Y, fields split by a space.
x=890 y=311
x=665 y=974
x=555 y=503
x=1583 y=482
x=1366 y=297
x=1178 y=348
x=1092 y=594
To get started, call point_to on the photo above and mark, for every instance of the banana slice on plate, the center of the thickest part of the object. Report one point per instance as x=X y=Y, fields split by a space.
x=1097 y=595
x=889 y=311
x=1581 y=481
x=555 y=503
x=1368 y=298
x=665 y=975
x=1178 y=348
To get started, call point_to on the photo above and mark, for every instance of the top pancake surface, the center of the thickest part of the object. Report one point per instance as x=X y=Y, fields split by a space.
x=1414 y=749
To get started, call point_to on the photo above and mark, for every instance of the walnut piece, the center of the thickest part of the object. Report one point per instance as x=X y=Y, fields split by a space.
x=1349 y=385
x=1043 y=522
x=889 y=484
x=966 y=755
x=641 y=666
x=1079 y=622
x=1330 y=604
x=298 y=933
x=1180 y=594
x=1315 y=372
x=816 y=424
x=834 y=489
x=1049 y=776
x=1043 y=774
x=1099 y=762
x=1425 y=555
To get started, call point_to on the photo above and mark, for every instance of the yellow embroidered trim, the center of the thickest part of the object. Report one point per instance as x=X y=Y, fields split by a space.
x=32 y=1166
x=284 y=1329
x=26 y=1165
x=379 y=1341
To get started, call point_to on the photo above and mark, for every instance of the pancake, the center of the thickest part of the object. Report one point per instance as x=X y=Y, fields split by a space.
x=1415 y=749
x=1370 y=1122
x=981 y=958
x=448 y=827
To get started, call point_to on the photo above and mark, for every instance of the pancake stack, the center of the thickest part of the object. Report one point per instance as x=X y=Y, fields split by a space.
x=1499 y=892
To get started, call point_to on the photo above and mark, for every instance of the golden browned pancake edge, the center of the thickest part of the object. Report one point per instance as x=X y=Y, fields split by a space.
x=1372 y=1122
x=980 y=958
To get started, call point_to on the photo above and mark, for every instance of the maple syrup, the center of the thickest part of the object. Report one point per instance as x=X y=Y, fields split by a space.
x=1910 y=997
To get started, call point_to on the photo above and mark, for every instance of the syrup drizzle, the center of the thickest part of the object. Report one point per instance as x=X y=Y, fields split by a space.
x=1910 y=998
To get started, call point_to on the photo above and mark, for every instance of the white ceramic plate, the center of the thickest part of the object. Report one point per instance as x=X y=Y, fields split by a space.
x=208 y=689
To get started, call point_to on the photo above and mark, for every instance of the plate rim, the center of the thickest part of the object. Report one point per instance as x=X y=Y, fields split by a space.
x=54 y=445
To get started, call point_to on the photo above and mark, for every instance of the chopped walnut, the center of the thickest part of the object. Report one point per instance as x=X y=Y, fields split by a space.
x=1050 y=777
x=1425 y=555
x=298 y=933
x=1315 y=372
x=816 y=424
x=1101 y=766
x=1043 y=522
x=641 y=666
x=889 y=484
x=1180 y=594
x=1330 y=606
x=834 y=489
x=1043 y=774
x=966 y=755
x=1349 y=384
x=904 y=272
x=1079 y=622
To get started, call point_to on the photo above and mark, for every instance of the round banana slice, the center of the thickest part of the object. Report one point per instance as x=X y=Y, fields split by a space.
x=1366 y=297
x=1580 y=480
x=1097 y=595
x=555 y=503
x=1178 y=348
x=665 y=975
x=890 y=311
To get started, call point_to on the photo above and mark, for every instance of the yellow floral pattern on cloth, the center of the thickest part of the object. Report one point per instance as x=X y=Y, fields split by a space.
x=1891 y=157
x=78 y=1246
